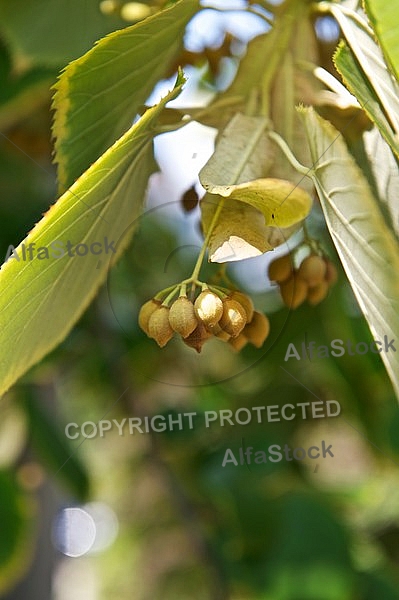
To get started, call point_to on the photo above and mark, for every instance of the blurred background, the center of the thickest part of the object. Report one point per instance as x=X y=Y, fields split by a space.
x=155 y=515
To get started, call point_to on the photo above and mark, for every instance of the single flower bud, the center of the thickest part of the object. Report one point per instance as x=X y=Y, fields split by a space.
x=218 y=332
x=182 y=316
x=257 y=330
x=331 y=273
x=208 y=308
x=145 y=313
x=294 y=291
x=317 y=293
x=312 y=270
x=233 y=318
x=159 y=327
x=239 y=342
x=190 y=199
x=197 y=338
x=246 y=303
x=281 y=268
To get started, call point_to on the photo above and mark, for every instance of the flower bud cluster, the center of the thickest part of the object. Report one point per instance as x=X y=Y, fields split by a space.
x=229 y=317
x=310 y=282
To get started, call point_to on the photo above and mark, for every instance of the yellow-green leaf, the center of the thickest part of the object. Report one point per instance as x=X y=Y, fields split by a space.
x=98 y=95
x=358 y=83
x=385 y=18
x=368 y=76
x=41 y=299
x=385 y=170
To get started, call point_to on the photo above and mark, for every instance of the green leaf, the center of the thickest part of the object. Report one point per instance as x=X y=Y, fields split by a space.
x=359 y=85
x=385 y=18
x=360 y=38
x=385 y=170
x=41 y=299
x=16 y=540
x=366 y=246
x=53 y=448
x=53 y=32
x=98 y=96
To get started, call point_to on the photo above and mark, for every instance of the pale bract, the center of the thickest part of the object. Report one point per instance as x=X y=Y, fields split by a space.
x=240 y=231
x=259 y=213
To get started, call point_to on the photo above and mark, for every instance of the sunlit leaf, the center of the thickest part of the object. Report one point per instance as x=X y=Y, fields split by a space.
x=98 y=95
x=367 y=248
x=360 y=39
x=41 y=299
x=385 y=169
x=385 y=18
x=359 y=85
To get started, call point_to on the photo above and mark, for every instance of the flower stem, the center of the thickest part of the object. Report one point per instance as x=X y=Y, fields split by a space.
x=198 y=264
x=170 y=296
